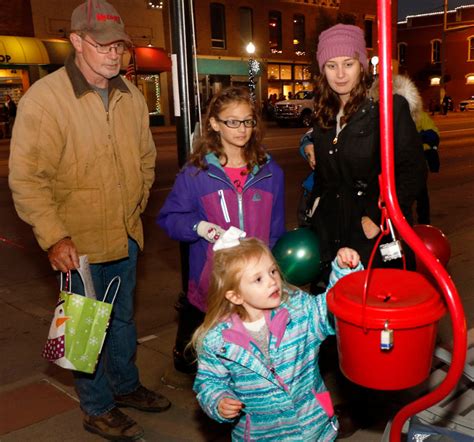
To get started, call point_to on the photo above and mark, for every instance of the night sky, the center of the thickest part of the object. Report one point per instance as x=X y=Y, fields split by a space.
x=410 y=7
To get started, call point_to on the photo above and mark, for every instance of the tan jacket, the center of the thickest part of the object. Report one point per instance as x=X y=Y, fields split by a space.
x=77 y=170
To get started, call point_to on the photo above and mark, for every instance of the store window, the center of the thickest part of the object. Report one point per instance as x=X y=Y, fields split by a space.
x=435 y=51
x=402 y=53
x=299 y=37
x=274 y=31
x=218 y=35
x=470 y=55
x=369 y=32
x=246 y=25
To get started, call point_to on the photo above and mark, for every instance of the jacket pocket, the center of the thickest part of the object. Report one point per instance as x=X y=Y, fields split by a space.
x=82 y=212
x=324 y=400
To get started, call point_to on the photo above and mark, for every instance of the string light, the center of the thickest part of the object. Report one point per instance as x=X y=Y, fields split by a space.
x=155 y=4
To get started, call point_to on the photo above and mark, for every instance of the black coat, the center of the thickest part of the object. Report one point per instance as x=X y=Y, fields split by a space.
x=346 y=176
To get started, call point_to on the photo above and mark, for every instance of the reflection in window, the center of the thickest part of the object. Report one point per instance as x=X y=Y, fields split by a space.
x=436 y=51
x=402 y=53
x=274 y=31
x=273 y=71
x=246 y=25
x=218 y=37
x=299 y=34
x=285 y=71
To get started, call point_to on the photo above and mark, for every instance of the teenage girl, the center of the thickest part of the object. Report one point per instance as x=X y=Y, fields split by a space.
x=258 y=348
x=230 y=180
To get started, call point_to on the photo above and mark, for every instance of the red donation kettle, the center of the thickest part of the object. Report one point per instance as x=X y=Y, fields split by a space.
x=385 y=341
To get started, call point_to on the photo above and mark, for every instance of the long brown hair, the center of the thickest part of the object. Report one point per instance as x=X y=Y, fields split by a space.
x=228 y=266
x=328 y=103
x=210 y=141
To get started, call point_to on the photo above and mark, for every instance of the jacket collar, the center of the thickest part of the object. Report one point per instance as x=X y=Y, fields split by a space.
x=80 y=84
x=238 y=334
x=212 y=159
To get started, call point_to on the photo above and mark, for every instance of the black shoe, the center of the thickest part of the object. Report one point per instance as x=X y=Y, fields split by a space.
x=144 y=400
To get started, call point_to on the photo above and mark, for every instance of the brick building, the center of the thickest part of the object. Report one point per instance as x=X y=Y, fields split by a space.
x=284 y=33
x=420 y=53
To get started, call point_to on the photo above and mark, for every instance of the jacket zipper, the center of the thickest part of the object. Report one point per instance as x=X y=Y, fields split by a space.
x=225 y=211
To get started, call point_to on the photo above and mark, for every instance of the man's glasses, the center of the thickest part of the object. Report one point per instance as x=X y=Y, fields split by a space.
x=119 y=47
x=234 y=124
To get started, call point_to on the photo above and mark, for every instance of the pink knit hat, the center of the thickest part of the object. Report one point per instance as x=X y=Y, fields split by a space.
x=339 y=41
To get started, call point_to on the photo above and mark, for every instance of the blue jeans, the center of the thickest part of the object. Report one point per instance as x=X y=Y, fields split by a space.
x=116 y=372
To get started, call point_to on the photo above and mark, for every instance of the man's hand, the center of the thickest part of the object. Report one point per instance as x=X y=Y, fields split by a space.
x=309 y=152
x=229 y=408
x=63 y=255
x=371 y=230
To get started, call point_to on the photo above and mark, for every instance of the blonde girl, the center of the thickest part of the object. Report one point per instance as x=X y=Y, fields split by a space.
x=258 y=348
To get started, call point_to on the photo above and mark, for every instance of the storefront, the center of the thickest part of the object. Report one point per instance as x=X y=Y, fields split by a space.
x=288 y=79
x=217 y=73
x=21 y=60
x=146 y=72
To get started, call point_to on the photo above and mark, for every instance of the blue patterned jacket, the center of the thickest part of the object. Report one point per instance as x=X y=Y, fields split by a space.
x=285 y=399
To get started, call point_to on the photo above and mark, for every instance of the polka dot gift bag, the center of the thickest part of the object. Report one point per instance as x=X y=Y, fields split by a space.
x=78 y=329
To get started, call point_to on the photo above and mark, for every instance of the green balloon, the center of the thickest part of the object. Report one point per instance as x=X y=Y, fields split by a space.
x=298 y=255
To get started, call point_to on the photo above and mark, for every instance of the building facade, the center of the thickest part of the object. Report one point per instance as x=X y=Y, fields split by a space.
x=421 y=52
x=284 y=34
x=34 y=41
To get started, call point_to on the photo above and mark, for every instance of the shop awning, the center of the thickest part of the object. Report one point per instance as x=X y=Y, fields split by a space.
x=22 y=50
x=214 y=66
x=58 y=50
x=152 y=60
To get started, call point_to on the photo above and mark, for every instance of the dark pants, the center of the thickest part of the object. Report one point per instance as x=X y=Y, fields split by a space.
x=423 y=207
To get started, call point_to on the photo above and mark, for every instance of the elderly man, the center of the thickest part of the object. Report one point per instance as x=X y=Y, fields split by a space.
x=81 y=167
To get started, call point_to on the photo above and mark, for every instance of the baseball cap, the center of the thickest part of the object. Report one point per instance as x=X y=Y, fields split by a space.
x=100 y=20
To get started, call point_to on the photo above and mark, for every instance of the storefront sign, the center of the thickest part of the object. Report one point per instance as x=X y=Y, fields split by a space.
x=5 y=58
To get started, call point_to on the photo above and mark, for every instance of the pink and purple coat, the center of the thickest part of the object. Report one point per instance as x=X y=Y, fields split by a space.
x=209 y=195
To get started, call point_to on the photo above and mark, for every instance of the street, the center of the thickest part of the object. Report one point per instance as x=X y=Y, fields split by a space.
x=28 y=288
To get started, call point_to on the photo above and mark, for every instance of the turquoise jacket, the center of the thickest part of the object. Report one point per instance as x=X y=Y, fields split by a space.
x=285 y=399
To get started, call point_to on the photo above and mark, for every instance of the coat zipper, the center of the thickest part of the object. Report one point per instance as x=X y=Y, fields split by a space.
x=225 y=211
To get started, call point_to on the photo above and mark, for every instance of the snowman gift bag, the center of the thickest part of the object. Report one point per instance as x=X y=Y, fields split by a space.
x=78 y=329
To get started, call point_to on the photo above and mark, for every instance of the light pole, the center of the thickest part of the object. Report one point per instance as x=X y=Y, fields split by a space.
x=253 y=68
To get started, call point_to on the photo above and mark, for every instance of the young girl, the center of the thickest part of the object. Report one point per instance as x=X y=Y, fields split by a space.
x=258 y=349
x=347 y=147
x=229 y=181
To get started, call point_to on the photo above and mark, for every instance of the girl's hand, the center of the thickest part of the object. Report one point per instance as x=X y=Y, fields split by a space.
x=347 y=257
x=229 y=408
x=371 y=230
x=309 y=152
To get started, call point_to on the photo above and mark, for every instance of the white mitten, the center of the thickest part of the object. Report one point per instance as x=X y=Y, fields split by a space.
x=209 y=231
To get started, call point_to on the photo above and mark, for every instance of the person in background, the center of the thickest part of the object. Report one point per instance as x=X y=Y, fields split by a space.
x=229 y=180
x=81 y=167
x=258 y=347
x=430 y=137
x=346 y=142
x=10 y=111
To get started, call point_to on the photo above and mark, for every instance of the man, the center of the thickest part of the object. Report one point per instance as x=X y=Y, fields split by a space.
x=81 y=167
x=10 y=112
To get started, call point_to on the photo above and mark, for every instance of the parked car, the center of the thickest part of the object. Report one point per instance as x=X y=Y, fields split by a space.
x=467 y=104
x=299 y=109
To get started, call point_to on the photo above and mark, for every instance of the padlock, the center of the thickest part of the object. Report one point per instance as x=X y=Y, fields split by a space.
x=393 y=249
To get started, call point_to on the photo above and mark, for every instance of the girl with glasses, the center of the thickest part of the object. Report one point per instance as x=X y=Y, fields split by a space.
x=229 y=180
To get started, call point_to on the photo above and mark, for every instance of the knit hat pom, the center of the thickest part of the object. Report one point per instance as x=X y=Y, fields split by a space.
x=339 y=41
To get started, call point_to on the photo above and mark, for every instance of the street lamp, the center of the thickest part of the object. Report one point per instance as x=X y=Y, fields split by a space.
x=253 y=68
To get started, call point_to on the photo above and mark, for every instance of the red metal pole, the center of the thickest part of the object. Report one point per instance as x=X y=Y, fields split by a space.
x=444 y=281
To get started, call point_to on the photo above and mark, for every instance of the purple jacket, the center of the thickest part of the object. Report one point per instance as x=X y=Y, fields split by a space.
x=208 y=195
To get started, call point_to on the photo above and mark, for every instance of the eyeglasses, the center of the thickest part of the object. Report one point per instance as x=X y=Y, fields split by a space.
x=234 y=124
x=105 y=49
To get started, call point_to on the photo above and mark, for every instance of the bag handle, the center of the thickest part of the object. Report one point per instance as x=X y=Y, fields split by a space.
x=68 y=282
x=119 y=281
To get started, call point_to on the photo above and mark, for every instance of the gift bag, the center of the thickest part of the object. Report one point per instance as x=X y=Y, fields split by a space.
x=78 y=329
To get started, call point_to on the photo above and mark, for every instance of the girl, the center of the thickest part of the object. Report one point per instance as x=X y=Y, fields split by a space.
x=258 y=349
x=347 y=149
x=229 y=181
